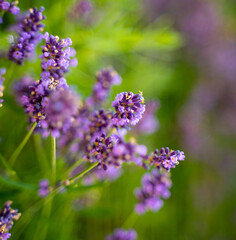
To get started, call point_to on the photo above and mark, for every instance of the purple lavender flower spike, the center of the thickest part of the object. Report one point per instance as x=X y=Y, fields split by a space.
x=155 y=185
x=105 y=79
x=2 y=71
x=9 y=7
x=129 y=109
x=60 y=109
x=43 y=190
x=29 y=34
x=7 y=215
x=166 y=158
x=121 y=234
x=81 y=10
x=55 y=59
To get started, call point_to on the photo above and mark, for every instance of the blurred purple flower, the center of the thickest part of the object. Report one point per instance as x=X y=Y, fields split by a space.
x=121 y=234
x=43 y=190
x=155 y=185
x=29 y=34
x=81 y=9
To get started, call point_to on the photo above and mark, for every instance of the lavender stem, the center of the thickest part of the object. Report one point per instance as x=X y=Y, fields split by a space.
x=17 y=152
x=53 y=156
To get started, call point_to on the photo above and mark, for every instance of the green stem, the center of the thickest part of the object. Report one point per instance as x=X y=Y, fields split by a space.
x=130 y=221
x=73 y=166
x=7 y=166
x=53 y=157
x=81 y=174
x=16 y=153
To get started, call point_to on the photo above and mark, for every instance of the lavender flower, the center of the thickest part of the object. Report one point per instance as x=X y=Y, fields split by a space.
x=60 y=109
x=2 y=71
x=166 y=158
x=7 y=215
x=29 y=35
x=81 y=9
x=9 y=7
x=43 y=188
x=155 y=185
x=55 y=60
x=105 y=79
x=35 y=102
x=120 y=234
x=129 y=108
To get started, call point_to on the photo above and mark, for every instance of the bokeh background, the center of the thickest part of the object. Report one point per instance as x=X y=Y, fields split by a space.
x=181 y=53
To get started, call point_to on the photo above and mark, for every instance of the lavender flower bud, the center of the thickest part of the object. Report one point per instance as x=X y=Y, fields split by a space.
x=9 y=7
x=166 y=158
x=2 y=71
x=29 y=35
x=43 y=190
x=55 y=59
x=129 y=109
x=7 y=215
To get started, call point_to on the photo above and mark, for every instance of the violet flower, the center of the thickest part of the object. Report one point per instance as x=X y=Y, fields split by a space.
x=7 y=215
x=155 y=185
x=166 y=158
x=55 y=60
x=129 y=109
x=121 y=234
x=59 y=111
x=105 y=79
x=29 y=34
x=43 y=190
x=2 y=71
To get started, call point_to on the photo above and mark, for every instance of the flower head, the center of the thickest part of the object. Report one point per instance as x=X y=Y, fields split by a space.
x=29 y=34
x=155 y=185
x=55 y=59
x=166 y=158
x=105 y=79
x=2 y=71
x=60 y=109
x=129 y=109
x=121 y=234
x=7 y=215
x=43 y=190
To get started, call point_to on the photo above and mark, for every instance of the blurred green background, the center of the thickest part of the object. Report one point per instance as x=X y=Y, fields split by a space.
x=182 y=53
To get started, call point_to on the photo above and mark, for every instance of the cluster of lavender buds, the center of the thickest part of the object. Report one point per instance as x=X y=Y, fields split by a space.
x=56 y=60
x=105 y=79
x=155 y=185
x=129 y=109
x=43 y=190
x=7 y=215
x=9 y=7
x=166 y=158
x=120 y=234
x=2 y=71
x=29 y=34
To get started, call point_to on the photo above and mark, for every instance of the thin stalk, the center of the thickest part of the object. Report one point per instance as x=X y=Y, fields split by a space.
x=53 y=157
x=73 y=166
x=81 y=174
x=7 y=166
x=130 y=221
x=17 y=152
